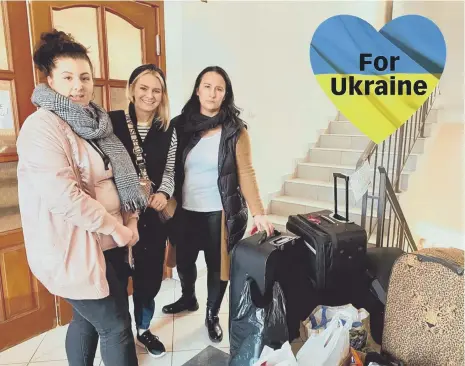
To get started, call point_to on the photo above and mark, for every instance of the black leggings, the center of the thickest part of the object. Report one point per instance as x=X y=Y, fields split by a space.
x=201 y=231
x=106 y=318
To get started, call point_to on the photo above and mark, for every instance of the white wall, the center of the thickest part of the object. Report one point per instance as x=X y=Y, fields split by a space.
x=449 y=17
x=434 y=202
x=264 y=46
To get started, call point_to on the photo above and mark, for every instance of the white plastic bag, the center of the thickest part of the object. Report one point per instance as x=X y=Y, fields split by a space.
x=280 y=357
x=322 y=315
x=330 y=347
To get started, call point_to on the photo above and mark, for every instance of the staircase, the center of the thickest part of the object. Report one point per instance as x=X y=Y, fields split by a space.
x=339 y=150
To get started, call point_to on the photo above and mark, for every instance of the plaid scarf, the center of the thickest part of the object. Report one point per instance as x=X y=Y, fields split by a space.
x=93 y=123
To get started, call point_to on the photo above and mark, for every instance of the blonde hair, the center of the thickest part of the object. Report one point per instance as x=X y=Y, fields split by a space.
x=163 y=109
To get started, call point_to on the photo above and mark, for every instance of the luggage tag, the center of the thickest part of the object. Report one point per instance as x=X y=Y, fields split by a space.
x=313 y=219
x=317 y=220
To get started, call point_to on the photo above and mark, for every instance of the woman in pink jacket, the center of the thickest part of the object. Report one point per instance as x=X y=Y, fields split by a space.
x=79 y=193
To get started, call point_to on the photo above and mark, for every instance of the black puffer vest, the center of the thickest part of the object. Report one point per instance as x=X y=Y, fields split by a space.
x=234 y=205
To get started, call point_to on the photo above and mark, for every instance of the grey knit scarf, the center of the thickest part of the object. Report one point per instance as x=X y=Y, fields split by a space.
x=93 y=123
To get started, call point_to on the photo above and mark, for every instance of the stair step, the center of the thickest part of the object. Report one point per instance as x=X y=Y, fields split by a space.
x=348 y=128
x=279 y=222
x=358 y=142
x=326 y=155
x=290 y=205
x=324 y=172
x=433 y=115
x=320 y=191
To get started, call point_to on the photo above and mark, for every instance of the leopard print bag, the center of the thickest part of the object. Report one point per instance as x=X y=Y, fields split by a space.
x=424 y=318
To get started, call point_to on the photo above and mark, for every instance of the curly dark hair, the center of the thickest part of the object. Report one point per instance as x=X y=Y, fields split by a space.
x=228 y=106
x=56 y=44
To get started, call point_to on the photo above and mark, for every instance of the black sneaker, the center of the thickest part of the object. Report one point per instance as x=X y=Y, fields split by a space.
x=151 y=343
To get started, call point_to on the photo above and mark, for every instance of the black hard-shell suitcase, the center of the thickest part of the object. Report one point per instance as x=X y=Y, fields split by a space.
x=338 y=247
x=279 y=259
x=252 y=290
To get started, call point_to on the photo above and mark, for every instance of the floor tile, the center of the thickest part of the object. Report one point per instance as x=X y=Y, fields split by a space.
x=209 y=356
x=22 y=353
x=190 y=333
x=97 y=362
x=181 y=357
x=52 y=347
x=147 y=360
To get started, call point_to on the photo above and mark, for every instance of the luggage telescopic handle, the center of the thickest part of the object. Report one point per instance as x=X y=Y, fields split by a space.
x=346 y=178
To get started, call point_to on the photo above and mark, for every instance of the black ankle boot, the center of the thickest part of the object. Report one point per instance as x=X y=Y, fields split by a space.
x=184 y=303
x=212 y=322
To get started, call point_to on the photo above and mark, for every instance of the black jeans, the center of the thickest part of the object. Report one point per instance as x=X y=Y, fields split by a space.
x=201 y=231
x=149 y=257
x=106 y=318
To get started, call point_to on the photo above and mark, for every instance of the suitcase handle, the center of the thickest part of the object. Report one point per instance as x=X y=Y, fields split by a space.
x=346 y=178
x=448 y=264
x=264 y=237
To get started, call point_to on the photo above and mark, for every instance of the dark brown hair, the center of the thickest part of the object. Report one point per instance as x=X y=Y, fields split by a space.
x=228 y=106
x=57 y=44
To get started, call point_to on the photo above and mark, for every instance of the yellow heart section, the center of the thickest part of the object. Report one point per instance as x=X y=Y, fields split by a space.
x=378 y=116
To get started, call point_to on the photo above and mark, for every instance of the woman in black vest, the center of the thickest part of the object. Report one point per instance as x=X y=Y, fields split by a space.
x=214 y=180
x=152 y=143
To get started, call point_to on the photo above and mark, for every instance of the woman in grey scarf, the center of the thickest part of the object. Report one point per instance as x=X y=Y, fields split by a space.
x=79 y=199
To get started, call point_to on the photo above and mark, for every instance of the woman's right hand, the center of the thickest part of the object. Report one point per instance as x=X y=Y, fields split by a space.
x=122 y=235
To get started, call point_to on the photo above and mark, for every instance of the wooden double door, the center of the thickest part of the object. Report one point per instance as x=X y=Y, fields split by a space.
x=120 y=36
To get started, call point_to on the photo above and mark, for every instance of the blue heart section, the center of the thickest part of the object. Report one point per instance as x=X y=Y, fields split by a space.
x=415 y=41
x=420 y=39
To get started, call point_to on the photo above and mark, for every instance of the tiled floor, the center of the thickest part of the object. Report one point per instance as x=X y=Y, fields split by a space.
x=184 y=336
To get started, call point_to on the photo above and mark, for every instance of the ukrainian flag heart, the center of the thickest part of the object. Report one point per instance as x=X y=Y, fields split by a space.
x=378 y=80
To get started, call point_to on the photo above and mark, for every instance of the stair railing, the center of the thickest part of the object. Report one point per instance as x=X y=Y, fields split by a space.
x=391 y=155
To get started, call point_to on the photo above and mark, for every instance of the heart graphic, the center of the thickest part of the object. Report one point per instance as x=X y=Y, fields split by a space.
x=378 y=80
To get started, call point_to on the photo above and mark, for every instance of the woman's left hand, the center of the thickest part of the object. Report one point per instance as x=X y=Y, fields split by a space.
x=158 y=201
x=132 y=224
x=263 y=224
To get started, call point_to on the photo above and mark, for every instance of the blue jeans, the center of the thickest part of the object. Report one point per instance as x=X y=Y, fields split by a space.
x=106 y=318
